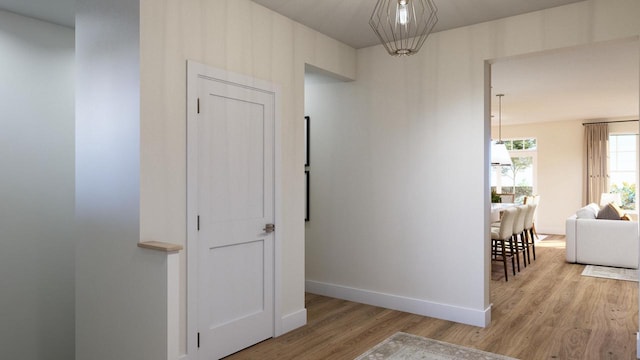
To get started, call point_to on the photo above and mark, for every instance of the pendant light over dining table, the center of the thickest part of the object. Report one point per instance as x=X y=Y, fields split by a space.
x=403 y=25
x=499 y=153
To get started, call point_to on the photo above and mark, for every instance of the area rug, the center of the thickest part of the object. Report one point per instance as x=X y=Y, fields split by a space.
x=610 y=273
x=402 y=346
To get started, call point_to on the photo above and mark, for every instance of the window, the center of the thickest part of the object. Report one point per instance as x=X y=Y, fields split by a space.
x=623 y=168
x=520 y=177
x=521 y=144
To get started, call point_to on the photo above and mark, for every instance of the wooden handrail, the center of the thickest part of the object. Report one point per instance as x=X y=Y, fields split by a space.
x=160 y=246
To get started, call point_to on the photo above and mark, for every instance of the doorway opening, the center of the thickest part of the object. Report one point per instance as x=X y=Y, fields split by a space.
x=548 y=97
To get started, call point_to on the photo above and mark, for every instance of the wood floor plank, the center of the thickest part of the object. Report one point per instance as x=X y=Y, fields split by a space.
x=547 y=311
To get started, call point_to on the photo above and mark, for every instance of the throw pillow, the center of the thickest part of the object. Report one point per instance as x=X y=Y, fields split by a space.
x=618 y=209
x=595 y=207
x=610 y=212
x=588 y=212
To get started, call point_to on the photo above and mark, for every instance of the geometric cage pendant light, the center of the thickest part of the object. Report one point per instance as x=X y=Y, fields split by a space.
x=499 y=153
x=403 y=25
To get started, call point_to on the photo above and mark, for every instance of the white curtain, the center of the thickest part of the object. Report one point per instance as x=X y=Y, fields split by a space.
x=596 y=141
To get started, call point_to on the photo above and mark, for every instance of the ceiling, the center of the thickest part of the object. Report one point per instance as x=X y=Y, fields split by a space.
x=596 y=82
x=61 y=12
x=588 y=83
x=348 y=20
x=344 y=20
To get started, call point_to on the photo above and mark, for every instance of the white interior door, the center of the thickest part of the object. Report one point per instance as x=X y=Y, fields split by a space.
x=235 y=204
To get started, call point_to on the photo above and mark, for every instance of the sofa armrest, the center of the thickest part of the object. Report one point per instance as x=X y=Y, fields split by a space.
x=570 y=232
x=607 y=242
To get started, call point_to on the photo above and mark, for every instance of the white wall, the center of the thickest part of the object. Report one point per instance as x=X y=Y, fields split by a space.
x=560 y=165
x=245 y=38
x=121 y=290
x=400 y=183
x=37 y=182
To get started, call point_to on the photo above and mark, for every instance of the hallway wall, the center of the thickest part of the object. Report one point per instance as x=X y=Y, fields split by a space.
x=36 y=189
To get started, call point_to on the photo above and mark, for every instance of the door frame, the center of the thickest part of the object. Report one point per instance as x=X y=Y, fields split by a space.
x=196 y=71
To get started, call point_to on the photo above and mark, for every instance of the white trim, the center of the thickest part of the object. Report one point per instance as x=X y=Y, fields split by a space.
x=637 y=345
x=480 y=318
x=194 y=71
x=293 y=321
x=277 y=246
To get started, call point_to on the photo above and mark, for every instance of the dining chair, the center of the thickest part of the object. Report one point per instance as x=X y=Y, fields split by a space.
x=528 y=230
x=533 y=199
x=507 y=198
x=501 y=239
x=518 y=235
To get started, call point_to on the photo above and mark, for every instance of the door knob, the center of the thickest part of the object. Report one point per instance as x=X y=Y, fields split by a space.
x=269 y=228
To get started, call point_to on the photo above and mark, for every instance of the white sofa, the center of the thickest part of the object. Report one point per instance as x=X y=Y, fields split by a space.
x=601 y=242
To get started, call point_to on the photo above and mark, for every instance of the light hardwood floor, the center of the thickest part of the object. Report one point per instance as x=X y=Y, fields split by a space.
x=547 y=311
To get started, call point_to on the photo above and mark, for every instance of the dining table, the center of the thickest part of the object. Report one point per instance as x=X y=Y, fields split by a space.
x=498 y=208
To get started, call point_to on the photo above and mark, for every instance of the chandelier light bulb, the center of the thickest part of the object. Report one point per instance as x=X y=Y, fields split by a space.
x=402 y=13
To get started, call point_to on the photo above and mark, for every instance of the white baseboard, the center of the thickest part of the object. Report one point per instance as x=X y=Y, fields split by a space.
x=637 y=345
x=293 y=321
x=481 y=318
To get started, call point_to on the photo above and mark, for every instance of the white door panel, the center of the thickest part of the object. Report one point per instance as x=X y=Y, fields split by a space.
x=244 y=293
x=235 y=200
x=237 y=182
